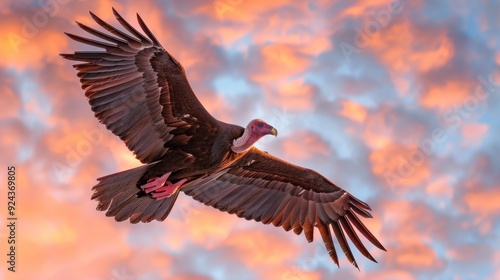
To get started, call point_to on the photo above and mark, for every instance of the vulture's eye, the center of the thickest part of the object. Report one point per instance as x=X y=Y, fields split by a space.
x=260 y=124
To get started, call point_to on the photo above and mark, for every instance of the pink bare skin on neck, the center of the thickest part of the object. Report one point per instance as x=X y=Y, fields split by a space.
x=255 y=130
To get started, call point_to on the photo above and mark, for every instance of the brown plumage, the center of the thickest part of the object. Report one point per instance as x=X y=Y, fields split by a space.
x=140 y=92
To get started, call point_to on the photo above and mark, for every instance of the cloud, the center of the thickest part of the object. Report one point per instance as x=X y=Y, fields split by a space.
x=296 y=94
x=278 y=62
x=362 y=119
x=482 y=202
x=353 y=111
x=474 y=133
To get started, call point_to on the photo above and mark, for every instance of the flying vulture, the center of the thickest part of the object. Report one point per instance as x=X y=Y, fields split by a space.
x=140 y=92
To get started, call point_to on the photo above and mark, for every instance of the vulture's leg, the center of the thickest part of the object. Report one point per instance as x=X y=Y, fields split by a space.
x=167 y=190
x=160 y=187
x=155 y=183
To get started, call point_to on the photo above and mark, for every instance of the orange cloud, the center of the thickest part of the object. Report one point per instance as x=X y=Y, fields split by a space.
x=207 y=226
x=240 y=11
x=294 y=95
x=61 y=232
x=399 y=274
x=362 y=8
x=23 y=52
x=305 y=33
x=417 y=256
x=483 y=201
x=304 y=145
x=395 y=45
x=293 y=27
x=257 y=249
x=411 y=227
x=395 y=153
x=10 y=107
x=445 y=96
x=73 y=239
x=388 y=125
x=280 y=61
x=402 y=219
x=353 y=111
x=440 y=187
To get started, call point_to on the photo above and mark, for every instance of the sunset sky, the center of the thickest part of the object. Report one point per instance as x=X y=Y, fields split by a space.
x=395 y=101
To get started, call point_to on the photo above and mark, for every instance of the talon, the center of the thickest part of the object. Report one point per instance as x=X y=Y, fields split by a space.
x=167 y=190
x=155 y=183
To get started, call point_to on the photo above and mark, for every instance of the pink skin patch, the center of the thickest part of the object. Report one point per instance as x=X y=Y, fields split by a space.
x=160 y=188
x=255 y=130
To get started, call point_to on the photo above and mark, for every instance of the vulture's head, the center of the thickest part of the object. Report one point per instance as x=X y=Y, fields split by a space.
x=255 y=130
x=260 y=128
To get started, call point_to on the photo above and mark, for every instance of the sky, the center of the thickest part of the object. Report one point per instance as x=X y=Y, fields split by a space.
x=398 y=102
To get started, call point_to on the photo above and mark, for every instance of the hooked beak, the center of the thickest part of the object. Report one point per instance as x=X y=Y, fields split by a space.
x=274 y=132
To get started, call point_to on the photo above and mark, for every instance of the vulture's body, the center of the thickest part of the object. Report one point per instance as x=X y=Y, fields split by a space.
x=141 y=93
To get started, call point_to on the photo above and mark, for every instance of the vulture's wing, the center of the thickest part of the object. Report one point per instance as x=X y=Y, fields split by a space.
x=138 y=90
x=264 y=188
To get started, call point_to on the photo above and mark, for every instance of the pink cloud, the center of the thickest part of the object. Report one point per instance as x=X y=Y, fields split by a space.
x=353 y=111
x=304 y=145
x=294 y=95
x=473 y=133
x=258 y=249
x=61 y=233
x=483 y=202
x=280 y=61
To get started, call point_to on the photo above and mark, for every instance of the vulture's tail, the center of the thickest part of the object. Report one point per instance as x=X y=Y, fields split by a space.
x=117 y=193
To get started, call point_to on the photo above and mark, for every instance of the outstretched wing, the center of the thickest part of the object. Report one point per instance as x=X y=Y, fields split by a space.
x=138 y=90
x=264 y=188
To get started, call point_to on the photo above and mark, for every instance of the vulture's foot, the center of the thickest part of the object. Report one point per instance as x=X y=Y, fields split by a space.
x=155 y=183
x=160 y=187
x=167 y=190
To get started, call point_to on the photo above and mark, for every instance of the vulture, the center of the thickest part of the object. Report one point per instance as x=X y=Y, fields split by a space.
x=140 y=92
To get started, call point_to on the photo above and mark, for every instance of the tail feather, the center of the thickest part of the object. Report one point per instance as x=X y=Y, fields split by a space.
x=117 y=195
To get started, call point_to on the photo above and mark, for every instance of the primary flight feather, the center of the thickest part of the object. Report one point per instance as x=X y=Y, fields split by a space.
x=140 y=92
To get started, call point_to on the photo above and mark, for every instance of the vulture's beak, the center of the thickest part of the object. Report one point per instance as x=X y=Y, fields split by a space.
x=274 y=132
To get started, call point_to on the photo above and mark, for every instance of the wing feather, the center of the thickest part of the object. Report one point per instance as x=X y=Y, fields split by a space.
x=362 y=228
x=326 y=235
x=343 y=243
x=150 y=211
x=355 y=239
x=263 y=188
x=138 y=90
x=144 y=40
x=132 y=41
x=268 y=215
x=308 y=230
x=136 y=216
x=267 y=202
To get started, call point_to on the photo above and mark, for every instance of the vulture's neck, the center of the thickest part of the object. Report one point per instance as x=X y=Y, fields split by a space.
x=244 y=142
